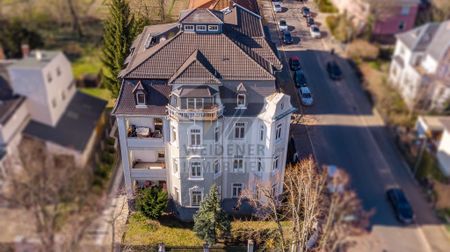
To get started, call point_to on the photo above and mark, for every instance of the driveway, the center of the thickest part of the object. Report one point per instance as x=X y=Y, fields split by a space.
x=342 y=128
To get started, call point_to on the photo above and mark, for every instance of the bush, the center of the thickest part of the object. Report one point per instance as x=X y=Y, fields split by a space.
x=107 y=158
x=262 y=233
x=361 y=49
x=326 y=6
x=340 y=27
x=151 y=202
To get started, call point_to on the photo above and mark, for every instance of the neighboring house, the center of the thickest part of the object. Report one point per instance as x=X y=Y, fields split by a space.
x=200 y=107
x=437 y=130
x=420 y=67
x=222 y=5
x=39 y=100
x=390 y=16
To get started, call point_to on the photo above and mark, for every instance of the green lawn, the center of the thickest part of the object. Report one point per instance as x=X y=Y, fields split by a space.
x=88 y=63
x=101 y=93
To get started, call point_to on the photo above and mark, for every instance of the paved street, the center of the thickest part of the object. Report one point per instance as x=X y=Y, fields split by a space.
x=342 y=129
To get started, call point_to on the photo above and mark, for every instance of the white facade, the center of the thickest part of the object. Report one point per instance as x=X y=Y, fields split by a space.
x=46 y=79
x=443 y=153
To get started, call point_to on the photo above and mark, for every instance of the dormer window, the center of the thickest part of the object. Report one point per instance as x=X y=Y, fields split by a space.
x=200 y=27
x=188 y=27
x=213 y=28
x=140 y=98
x=241 y=100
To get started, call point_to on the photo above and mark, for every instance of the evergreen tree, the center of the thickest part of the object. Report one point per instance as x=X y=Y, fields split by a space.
x=151 y=202
x=119 y=31
x=211 y=222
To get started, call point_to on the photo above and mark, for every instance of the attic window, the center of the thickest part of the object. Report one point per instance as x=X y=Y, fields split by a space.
x=188 y=27
x=149 y=42
x=213 y=27
x=241 y=100
x=200 y=27
x=140 y=98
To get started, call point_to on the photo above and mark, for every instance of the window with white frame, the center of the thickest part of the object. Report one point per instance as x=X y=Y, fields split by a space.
x=196 y=169
x=58 y=71
x=259 y=166
x=262 y=129
x=239 y=130
x=49 y=77
x=241 y=100
x=188 y=27
x=236 y=190
x=238 y=164
x=200 y=27
x=213 y=27
x=217 y=134
x=195 y=138
x=276 y=161
x=140 y=98
x=216 y=166
x=174 y=134
x=175 y=166
x=278 y=132
x=196 y=198
x=176 y=195
x=194 y=103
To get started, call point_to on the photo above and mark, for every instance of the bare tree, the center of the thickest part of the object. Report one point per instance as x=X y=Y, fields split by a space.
x=55 y=192
x=324 y=213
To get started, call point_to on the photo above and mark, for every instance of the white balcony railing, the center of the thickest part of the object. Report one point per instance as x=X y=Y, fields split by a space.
x=149 y=171
x=195 y=114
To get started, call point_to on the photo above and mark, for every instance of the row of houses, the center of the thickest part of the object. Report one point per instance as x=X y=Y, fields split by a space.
x=39 y=99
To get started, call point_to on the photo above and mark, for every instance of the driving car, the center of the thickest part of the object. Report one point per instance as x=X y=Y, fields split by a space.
x=309 y=21
x=305 y=96
x=277 y=7
x=282 y=25
x=287 y=37
x=315 y=31
x=401 y=205
x=299 y=78
x=334 y=71
x=306 y=12
x=294 y=63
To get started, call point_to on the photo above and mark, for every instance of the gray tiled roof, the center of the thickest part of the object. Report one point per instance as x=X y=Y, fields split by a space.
x=9 y=102
x=32 y=61
x=196 y=69
x=203 y=91
x=157 y=97
x=431 y=38
x=76 y=125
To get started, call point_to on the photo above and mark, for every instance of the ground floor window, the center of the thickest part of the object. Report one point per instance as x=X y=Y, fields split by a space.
x=196 y=198
x=236 y=190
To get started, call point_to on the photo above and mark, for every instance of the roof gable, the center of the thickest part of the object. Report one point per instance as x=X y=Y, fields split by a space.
x=195 y=70
x=201 y=16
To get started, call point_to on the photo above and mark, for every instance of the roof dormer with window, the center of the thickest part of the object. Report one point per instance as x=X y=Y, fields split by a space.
x=202 y=21
x=241 y=97
x=140 y=95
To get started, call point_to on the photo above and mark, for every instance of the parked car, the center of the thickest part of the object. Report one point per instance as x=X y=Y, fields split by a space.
x=294 y=63
x=306 y=12
x=305 y=96
x=334 y=71
x=309 y=21
x=277 y=7
x=315 y=31
x=282 y=25
x=334 y=183
x=299 y=78
x=402 y=208
x=287 y=37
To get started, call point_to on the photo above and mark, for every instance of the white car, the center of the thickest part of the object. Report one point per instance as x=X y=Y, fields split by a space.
x=277 y=7
x=305 y=96
x=282 y=25
x=335 y=180
x=315 y=31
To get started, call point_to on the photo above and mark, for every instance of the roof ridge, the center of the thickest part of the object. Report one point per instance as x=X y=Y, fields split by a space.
x=240 y=49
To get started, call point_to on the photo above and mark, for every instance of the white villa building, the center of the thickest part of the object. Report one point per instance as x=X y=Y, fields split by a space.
x=420 y=67
x=199 y=106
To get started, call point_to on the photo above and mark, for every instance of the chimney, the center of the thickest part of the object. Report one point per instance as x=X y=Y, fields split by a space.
x=25 y=50
x=2 y=53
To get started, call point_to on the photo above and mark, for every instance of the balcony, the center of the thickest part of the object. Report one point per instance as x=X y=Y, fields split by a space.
x=141 y=137
x=206 y=114
x=148 y=171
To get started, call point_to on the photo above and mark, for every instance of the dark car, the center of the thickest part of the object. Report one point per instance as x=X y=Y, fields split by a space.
x=299 y=78
x=287 y=37
x=306 y=12
x=309 y=21
x=294 y=63
x=403 y=209
x=334 y=70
